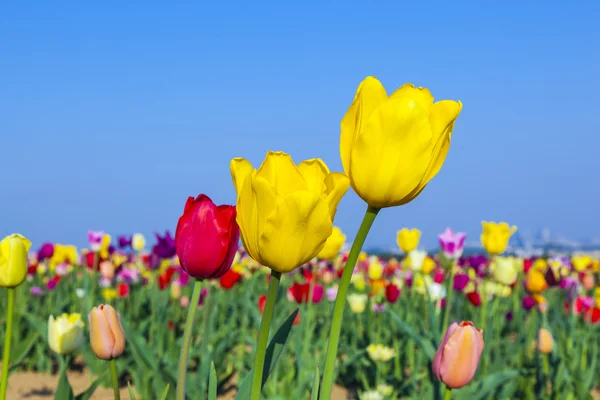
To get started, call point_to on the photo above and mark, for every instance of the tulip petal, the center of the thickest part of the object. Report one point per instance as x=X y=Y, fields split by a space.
x=240 y=168
x=392 y=153
x=369 y=95
x=314 y=172
x=279 y=170
x=114 y=322
x=296 y=231
x=102 y=339
x=419 y=94
x=337 y=185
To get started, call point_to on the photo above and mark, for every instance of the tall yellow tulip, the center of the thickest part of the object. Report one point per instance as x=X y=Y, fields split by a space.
x=333 y=245
x=408 y=239
x=13 y=260
x=285 y=212
x=495 y=237
x=392 y=146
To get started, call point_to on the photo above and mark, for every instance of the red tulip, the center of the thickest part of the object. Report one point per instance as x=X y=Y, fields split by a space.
x=123 y=289
x=206 y=238
x=262 y=300
x=592 y=315
x=229 y=280
x=392 y=292
x=474 y=298
x=300 y=292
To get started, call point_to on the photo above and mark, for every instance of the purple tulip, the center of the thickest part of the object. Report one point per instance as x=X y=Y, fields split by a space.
x=509 y=316
x=184 y=277
x=203 y=295
x=46 y=251
x=452 y=243
x=95 y=239
x=460 y=282
x=51 y=285
x=331 y=293
x=165 y=246
x=124 y=242
x=528 y=303
x=36 y=291
x=378 y=307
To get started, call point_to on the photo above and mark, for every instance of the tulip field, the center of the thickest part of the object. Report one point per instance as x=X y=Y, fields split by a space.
x=261 y=299
x=392 y=325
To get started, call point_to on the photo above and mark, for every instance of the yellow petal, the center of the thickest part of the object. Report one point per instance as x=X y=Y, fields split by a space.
x=419 y=94
x=392 y=153
x=314 y=172
x=240 y=168
x=337 y=185
x=369 y=95
x=296 y=232
x=279 y=170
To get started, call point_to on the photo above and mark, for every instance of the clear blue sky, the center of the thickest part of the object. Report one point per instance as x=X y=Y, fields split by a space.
x=111 y=114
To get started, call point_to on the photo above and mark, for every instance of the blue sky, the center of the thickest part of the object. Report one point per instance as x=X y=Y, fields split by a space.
x=111 y=114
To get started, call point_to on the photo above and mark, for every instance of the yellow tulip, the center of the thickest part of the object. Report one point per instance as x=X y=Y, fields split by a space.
x=535 y=281
x=357 y=302
x=285 y=212
x=333 y=245
x=63 y=253
x=375 y=268
x=505 y=269
x=392 y=146
x=105 y=245
x=109 y=294
x=13 y=260
x=408 y=239
x=581 y=262
x=358 y=280
x=138 y=242
x=65 y=333
x=379 y=352
x=428 y=265
x=495 y=237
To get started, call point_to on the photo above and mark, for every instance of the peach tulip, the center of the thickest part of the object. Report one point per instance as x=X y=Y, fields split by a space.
x=457 y=358
x=545 y=341
x=107 y=337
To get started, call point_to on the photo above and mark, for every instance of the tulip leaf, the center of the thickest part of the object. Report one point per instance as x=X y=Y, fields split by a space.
x=274 y=350
x=23 y=349
x=64 y=390
x=483 y=388
x=87 y=394
x=131 y=395
x=212 y=383
x=424 y=343
x=316 y=383
x=165 y=393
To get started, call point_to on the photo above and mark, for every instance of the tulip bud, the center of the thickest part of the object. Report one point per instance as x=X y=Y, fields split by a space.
x=457 y=358
x=107 y=337
x=545 y=341
x=65 y=333
x=13 y=260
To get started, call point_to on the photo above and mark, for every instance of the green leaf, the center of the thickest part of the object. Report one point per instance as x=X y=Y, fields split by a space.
x=483 y=388
x=23 y=349
x=165 y=393
x=316 y=383
x=64 y=390
x=424 y=342
x=274 y=350
x=212 y=383
x=87 y=394
x=131 y=395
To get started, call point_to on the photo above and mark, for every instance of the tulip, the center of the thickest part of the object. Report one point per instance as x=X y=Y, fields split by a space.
x=416 y=259
x=505 y=270
x=408 y=239
x=13 y=260
x=65 y=333
x=107 y=337
x=36 y=291
x=124 y=241
x=545 y=341
x=358 y=303
x=138 y=242
x=175 y=290
x=123 y=289
x=392 y=292
x=206 y=239
x=392 y=146
x=184 y=301
x=587 y=281
x=495 y=237
x=379 y=352
x=452 y=244
x=165 y=246
x=107 y=270
x=46 y=251
x=331 y=293
x=286 y=212
x=457 y=358
x=95 y=239
x=535 y=281
x=528 y=303
x=474 y=298
x=581 y=262
x=375 y=269
x=229 y=280
x=333 y=245
x=460 y=282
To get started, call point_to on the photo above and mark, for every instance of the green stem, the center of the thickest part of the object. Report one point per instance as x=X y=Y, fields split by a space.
x=340 y=302
x=263 y=336
x=447 y=393
x=115 y=379
x=449 y=292
x=187 y=338
x=8 y=333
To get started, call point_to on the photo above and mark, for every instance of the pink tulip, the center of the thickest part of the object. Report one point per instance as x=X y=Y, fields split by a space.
x=457 y=358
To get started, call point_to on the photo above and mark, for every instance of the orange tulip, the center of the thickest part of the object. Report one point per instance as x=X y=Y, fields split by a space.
x=545 y=341
x=535 y=282
x=457 y=358
x=107 y=337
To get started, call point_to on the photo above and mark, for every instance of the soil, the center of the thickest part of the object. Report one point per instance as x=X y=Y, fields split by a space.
x=38 y=386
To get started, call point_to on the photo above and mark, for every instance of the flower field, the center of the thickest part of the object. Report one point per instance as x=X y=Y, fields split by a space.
x=391 y=328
